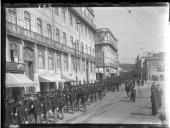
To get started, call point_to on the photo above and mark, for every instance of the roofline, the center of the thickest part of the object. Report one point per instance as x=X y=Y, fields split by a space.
x=108 y=30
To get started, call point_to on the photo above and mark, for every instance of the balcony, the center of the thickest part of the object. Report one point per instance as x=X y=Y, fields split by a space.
x=14 y=29
x=111 y=65
x=107 y=42
x=40 y=39
x=85 y=18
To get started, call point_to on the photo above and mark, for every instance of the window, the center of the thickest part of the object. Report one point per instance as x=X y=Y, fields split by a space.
x=71 y=40
x=91 y=66
x=82 y=48
x=72 y=64
x=86 y=49
x=77 y=47
x=27 y=19
x=63 y=13
x=56 y=11
x=83 y=66
x=12 y=15
x=49 y=31
x=86 y=31
x=64 y=38
x=78 y=64
x=65 y=63
x=58 y=61
x=76 y=25
x=90 y=50
x=39 y=26
x=41 y=60
x=71 y=20
x=105 y=37
x=57 y=35
x=14 y=52
x=107 y=59
x=50 y=61
x=82 y=29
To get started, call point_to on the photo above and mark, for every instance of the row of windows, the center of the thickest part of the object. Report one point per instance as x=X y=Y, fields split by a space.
x=27 y=18
x=14 y=53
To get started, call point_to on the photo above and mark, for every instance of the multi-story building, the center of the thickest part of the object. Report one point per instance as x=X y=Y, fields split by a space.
x=54 y=44
x=106 y=54
x=154 y=66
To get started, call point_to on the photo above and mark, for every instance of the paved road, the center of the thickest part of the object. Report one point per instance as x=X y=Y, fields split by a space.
x=117 y=108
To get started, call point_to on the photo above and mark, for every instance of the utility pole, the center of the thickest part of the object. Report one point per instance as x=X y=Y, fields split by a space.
x=103 y=67
x=78 y=23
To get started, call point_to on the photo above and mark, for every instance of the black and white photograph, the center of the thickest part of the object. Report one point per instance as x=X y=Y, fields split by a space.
x=85 y=65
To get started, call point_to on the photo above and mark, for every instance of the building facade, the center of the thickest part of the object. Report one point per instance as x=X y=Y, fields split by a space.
x=154 y=66
x=106 y=54
x=54 y=44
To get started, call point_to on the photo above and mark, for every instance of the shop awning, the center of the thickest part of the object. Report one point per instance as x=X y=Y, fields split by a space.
x=50 y=79
x=18 y=80
x=67 y=79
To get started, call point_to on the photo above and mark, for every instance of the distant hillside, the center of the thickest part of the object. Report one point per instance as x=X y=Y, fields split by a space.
x=126 y=66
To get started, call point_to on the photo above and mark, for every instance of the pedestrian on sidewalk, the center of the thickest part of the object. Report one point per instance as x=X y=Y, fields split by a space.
x=159 y=96
x=154 y=99
x=133 y=94
x=127 y=89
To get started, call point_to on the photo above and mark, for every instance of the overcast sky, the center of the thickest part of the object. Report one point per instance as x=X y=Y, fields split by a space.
x=138 y=29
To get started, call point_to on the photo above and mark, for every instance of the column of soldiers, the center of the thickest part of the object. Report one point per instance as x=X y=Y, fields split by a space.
x=49 y=107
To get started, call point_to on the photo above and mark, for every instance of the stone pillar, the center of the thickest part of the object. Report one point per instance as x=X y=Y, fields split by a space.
x=46 y=60
x=69 y=63
x=35 y=59
x=62 y=63
x=7 y=49
x=21 y=52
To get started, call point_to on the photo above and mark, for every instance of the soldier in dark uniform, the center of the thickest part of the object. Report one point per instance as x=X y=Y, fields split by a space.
x=71 y=99
x=37 y=110
x=31 y=116
x=9 y=111
x=78 y=97
x=133 y=94
x=48 y=109
x=84 y=97
x=21 y=112
x=62 y=103
x=67 y=99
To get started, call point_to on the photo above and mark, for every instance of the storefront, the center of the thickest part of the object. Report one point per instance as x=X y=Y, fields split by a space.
x=17 y=85
x=50 y=83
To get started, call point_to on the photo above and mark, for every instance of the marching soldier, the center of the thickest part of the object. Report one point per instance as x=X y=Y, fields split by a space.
x=21 y=112
x=62 y=104
x=38 y=108
x=84 y=98
x=10 y=111
x=133 y=94
x=55 y=106
x=72 y=98
x=48 y=109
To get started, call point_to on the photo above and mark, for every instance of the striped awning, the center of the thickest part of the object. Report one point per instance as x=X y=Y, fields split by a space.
x=44 y=78
x=18 y=80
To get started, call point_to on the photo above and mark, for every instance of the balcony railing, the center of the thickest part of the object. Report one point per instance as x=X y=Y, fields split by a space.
x=86 y=18
x=111 y=64
x=28 y=34
x=14 y=29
